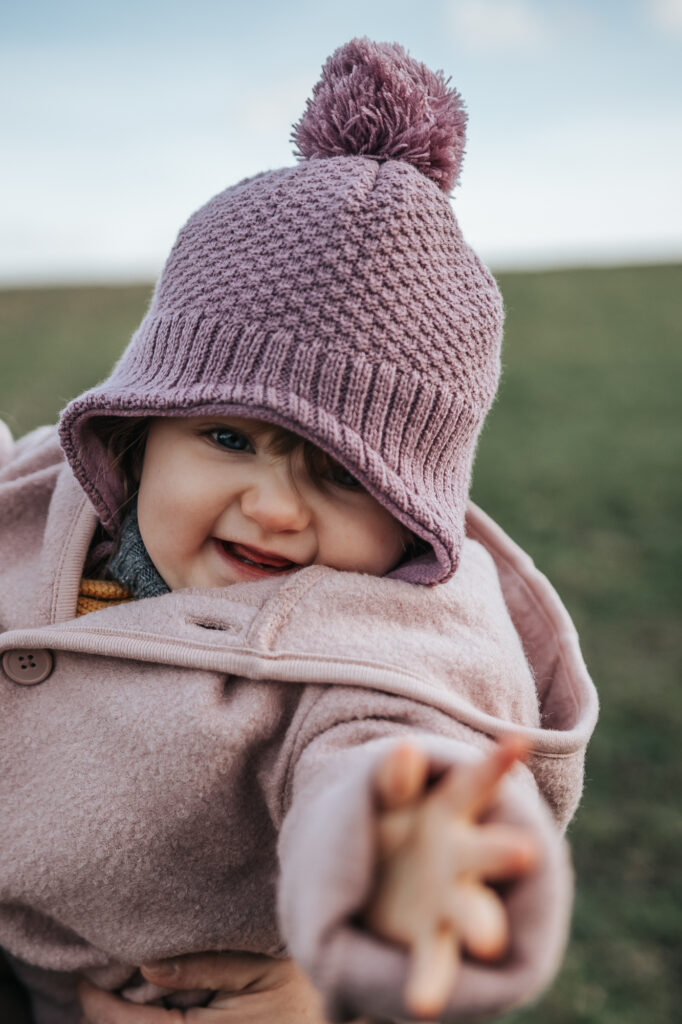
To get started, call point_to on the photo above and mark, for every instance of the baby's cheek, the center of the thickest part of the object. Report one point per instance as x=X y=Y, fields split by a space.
x=375 y=548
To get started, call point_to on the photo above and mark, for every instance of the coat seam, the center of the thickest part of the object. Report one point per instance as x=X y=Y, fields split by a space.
x=271 y=621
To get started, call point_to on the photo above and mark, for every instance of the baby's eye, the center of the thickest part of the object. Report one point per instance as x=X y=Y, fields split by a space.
x=232 y=440
x=339 y=475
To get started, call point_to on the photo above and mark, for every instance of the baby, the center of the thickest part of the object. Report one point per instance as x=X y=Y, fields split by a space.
x=268 y=677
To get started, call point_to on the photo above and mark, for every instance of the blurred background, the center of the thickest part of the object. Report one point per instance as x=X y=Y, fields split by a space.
x=120 y=120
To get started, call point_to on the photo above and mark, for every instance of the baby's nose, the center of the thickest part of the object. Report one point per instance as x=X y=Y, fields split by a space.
x=276 y=505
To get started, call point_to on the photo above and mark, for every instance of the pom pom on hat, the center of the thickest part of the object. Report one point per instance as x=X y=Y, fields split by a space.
x=374 y=100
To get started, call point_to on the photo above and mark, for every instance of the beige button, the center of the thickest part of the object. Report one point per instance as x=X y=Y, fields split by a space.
x=27 y=667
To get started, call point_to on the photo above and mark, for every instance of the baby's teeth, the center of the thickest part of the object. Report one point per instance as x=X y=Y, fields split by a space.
x=258 y=565
x=249 y=561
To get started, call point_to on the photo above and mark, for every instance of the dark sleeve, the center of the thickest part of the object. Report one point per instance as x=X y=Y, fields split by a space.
x=14 y=1004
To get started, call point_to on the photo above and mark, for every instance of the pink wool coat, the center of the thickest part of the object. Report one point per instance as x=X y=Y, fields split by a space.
x=194 y=771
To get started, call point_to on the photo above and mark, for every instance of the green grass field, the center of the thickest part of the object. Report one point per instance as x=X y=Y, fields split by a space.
x=580 y=462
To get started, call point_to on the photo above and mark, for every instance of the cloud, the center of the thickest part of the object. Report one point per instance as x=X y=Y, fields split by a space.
x=495 y=25
x=666 y=14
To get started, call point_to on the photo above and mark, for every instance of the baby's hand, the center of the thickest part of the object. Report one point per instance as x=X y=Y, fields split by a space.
x=435 y=858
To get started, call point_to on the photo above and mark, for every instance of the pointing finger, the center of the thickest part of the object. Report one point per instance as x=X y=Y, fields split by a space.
x=469 y=789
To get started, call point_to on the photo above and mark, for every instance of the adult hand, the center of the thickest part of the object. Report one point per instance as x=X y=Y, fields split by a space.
x=249 y=989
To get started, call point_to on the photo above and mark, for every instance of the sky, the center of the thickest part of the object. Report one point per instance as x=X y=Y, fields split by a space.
x=120 y=119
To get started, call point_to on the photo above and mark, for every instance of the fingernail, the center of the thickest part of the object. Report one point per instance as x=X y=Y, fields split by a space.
x=161 y=968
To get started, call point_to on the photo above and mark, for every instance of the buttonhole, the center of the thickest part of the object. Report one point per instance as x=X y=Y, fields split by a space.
x=224 y=627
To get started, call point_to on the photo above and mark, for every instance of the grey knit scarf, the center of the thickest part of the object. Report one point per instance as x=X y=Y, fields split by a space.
x=132 y=566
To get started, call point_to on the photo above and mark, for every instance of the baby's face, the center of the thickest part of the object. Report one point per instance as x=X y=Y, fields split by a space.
x=217 y=506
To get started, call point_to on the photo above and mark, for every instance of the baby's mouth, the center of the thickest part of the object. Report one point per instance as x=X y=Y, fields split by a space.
x=258 y=559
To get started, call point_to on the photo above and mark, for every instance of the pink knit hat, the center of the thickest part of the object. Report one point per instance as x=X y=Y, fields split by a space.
x=336 y=298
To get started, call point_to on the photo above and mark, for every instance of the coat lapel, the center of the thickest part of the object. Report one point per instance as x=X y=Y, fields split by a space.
x=70 y=526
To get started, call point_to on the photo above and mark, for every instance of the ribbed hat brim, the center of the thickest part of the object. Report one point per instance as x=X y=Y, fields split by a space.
x=401 y=436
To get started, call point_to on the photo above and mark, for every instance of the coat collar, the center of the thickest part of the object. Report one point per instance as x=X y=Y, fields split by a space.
x=71 y=523
x=167 y=632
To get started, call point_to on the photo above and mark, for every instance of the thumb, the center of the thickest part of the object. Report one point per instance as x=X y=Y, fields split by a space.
x=228 y=971
x=102 y=1007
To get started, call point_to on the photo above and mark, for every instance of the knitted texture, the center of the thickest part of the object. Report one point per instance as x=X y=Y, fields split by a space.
x=96 y=594
x=131 y=565
x=371 y=101
x=336 y=298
